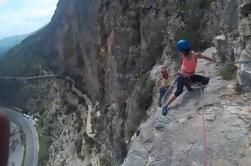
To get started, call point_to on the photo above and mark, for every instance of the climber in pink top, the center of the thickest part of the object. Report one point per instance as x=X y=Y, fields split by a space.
x=188 y=63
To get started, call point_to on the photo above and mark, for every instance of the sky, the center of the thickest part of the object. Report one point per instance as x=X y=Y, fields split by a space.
x=24 y=16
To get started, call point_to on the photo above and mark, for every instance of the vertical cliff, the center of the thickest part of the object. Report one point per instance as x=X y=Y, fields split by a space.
x=109 y=48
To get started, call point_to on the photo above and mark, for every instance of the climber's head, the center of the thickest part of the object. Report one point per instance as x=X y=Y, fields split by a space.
x=164 y=72
x=183 y=47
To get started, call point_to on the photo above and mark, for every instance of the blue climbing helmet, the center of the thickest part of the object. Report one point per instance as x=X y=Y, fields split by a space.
x=182 y=45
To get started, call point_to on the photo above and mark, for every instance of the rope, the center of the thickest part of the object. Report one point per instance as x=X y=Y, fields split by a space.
x=203 y=132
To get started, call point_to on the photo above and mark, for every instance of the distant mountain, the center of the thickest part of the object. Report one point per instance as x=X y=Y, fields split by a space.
x=9 y=42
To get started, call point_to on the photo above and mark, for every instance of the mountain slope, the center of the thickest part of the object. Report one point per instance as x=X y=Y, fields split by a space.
x=9 y=42
x=109 y=49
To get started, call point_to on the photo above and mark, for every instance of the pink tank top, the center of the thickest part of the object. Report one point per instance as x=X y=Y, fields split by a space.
x=188 y=66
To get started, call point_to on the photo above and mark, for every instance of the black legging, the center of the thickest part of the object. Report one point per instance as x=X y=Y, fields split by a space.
x=183 y=80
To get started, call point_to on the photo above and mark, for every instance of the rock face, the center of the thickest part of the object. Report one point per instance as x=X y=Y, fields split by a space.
x=244 y=73
x=109 y=53
x=177 y=139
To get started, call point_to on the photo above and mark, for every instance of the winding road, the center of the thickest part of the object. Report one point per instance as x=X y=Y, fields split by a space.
x=31 y=157
x=32 y=144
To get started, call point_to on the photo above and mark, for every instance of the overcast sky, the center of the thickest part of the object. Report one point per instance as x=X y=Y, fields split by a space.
x=24 y=16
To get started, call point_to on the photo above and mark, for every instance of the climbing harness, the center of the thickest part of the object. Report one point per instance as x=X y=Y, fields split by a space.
x=203 y=130
x=174 y=83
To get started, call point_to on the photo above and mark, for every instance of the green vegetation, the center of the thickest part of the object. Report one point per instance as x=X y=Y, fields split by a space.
x=79 y=122
x=87 y=148
x=78 y=145
x=170 y=8
x=149 y=85
x=28 y=58
x=104 y=162
x=145 y=83
x=44 y=145
x=142 y=11
x=104 y=108
x=144 y=96
x=45 y=142
x=40 y=122
x=167 y=13
x=110 y=131
x=80 y=84
x=132 y=19
x=197 y=4
x=142 y=81
x=29 y=66
x=129 y=90
x=189 y=117
x=70 y=109
x=42 y=108
x=191 y=33
x=90 y=145
x=9 y=88
x=23 y=142
x=229 y=71
x=192 y=24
